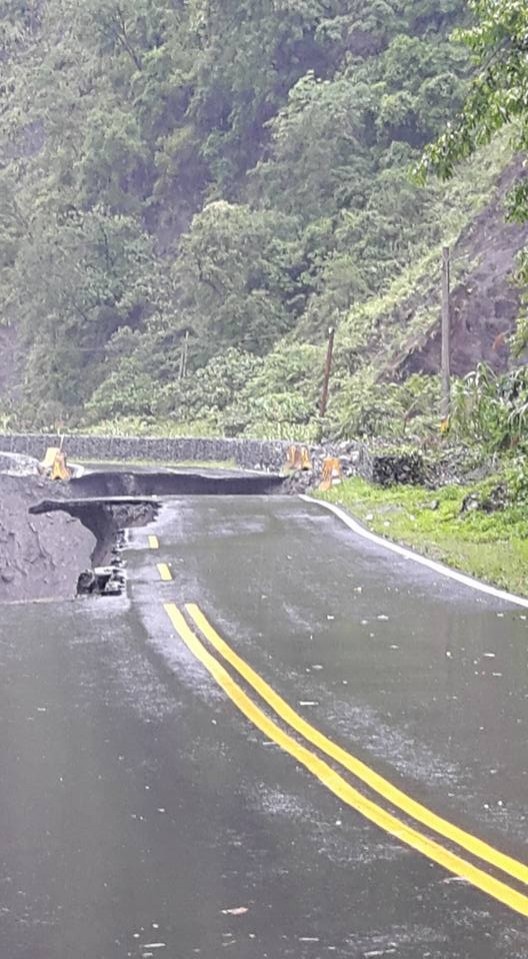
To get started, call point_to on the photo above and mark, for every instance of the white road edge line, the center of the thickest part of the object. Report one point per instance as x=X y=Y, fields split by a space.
x=415 y=557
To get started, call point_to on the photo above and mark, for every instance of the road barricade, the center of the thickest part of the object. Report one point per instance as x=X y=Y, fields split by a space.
x=298 y=458
x=332 y=474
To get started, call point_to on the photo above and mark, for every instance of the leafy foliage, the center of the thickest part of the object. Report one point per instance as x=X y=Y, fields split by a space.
x=192 y=192
x=371 y=407
x=491 y=409
x=498 y=91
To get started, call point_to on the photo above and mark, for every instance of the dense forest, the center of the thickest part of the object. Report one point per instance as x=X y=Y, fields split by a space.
x=193 y=191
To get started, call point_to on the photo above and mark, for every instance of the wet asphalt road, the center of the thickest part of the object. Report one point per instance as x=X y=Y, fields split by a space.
x=138 y=805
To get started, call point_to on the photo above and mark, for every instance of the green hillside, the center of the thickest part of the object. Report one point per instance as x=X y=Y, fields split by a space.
x=193 y=192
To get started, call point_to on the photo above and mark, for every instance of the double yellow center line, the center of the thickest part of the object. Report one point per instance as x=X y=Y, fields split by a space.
x=442 y=855
x=437 y=852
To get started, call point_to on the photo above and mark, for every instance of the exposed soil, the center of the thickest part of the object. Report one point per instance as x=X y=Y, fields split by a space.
x=105 y=517
x=48 y=539
x=40 y=556
x=485 y=307
x=485 y=301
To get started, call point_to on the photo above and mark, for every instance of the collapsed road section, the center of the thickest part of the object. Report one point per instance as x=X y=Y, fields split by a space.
x=40 y=556
x=106 y=518
x=176 y=483
x=57 y=539
x=117 y=500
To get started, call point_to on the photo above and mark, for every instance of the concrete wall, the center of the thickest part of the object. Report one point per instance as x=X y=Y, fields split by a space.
x=249 y=454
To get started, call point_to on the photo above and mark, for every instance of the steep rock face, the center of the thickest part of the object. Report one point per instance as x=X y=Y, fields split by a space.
x=486 y=304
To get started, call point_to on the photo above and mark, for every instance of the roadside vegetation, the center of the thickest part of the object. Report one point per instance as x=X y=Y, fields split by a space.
x=479 y=527
x=490 y=546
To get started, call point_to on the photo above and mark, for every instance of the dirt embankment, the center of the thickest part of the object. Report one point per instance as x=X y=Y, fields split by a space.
x=40 y=556
x=485 y=304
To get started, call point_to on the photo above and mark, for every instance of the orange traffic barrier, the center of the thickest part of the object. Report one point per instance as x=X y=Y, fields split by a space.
x=332 y=474
x=306 y=461
x=60 y=469
x=290 y=461
x=298 y=458
x=54 y=464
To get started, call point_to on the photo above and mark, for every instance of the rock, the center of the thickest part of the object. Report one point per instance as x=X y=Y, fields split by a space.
x=86 y=583
x=496 y=500
x=300 y=482
x=455 y=466
x=348 y=464
x=407 y=468
x=470 y=503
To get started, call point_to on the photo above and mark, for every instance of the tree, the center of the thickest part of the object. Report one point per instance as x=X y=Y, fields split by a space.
x=499 y=90
x=234 y=278
x=252 y=52
x=80 y=278
x=231 y=168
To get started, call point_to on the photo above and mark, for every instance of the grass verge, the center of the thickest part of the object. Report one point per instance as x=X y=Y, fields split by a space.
x=491 y=546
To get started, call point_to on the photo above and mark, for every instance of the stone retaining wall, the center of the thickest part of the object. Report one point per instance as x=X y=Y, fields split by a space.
x=356 y=459
x=248 y=454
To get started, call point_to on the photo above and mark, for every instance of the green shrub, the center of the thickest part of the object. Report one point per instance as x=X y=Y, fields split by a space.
x=491 y=409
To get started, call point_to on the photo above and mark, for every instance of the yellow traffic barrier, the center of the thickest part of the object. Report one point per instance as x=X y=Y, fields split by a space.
x=332 y=474
x=306 y=460
x=298 y=458
x=290 y=461
x=60 y=469
x=49 y=459
x=54 y=464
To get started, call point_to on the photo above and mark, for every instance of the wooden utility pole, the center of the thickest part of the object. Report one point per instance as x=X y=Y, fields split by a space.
x=184 y=356
x=186 y=353
x=446 y=334
x=327 y=372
